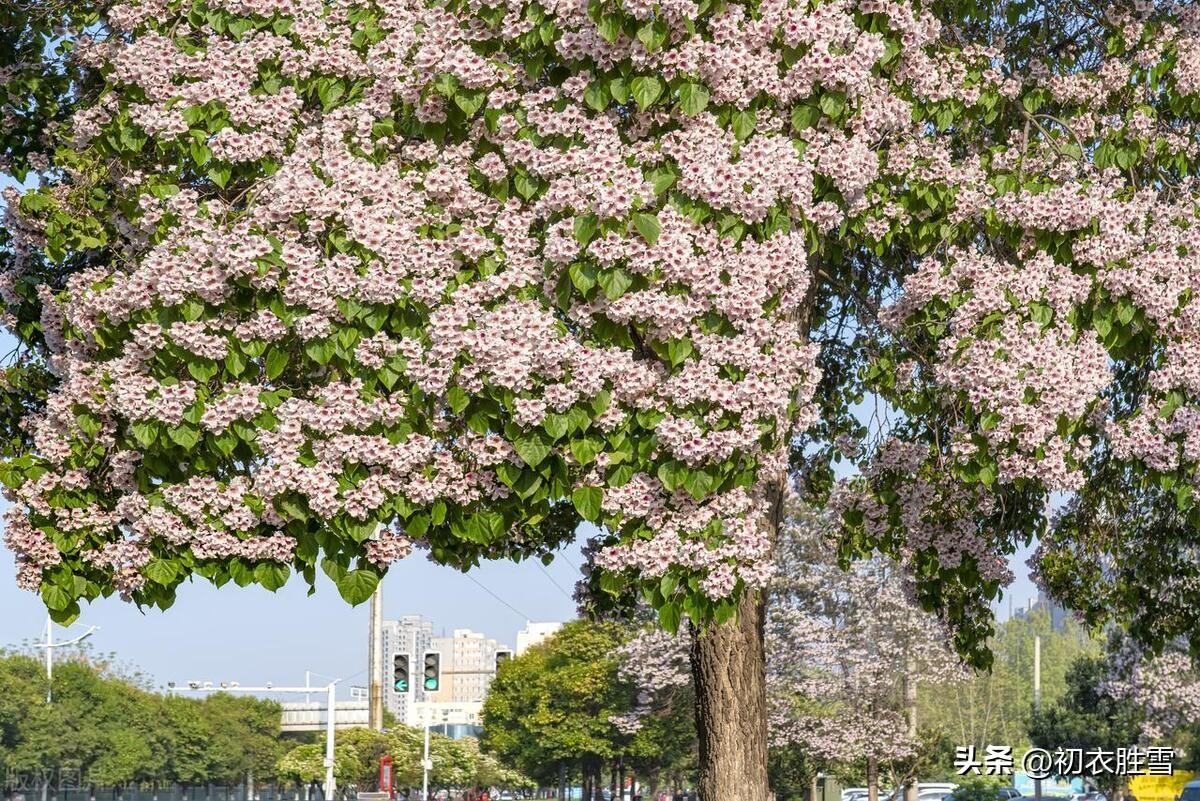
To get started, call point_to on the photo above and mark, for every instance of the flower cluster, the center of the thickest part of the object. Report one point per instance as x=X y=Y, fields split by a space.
x=381 y=269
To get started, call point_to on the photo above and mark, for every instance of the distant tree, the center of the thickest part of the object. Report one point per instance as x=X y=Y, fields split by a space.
x=305 y=764
x=189 y=760
x=993 y=706
x=245 y=737
x=555 y=704
x=487 y=771
x=1088 y=717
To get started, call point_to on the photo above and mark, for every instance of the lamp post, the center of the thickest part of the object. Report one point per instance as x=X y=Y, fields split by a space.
x=50 y=645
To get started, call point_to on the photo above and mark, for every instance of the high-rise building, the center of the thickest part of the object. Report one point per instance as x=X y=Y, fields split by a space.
x=469 y=662
x=535 y=633
x=412 y=635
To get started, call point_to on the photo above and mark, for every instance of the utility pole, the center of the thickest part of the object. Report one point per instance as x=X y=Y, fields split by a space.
x=1037 y=699
x=375 y=657
x=50 y=645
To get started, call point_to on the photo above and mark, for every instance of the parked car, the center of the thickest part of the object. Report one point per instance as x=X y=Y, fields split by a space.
x=1190 y=792
x=1007 y=793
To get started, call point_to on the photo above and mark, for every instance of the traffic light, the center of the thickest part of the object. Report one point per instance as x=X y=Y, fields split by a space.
x=502 y=657
x=400 y=673
x=433 y=671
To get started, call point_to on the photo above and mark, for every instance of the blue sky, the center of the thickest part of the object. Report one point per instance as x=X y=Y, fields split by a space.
x=253 y=636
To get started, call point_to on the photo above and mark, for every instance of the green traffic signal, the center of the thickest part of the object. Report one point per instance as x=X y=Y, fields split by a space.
x=433 y=671
x=400 y=673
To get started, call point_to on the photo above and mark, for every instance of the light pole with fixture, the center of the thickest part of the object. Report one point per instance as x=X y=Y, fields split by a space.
x=50 y=645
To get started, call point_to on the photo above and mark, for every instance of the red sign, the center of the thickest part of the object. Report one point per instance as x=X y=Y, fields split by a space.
x=385 y=776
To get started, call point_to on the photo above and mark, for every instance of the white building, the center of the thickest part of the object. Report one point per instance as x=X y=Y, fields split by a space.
x=468 y=665
x=535 y=633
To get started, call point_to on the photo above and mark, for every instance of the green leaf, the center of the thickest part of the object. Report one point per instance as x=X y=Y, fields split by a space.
x=678 y=350
x=470 y=100
x=585 y=227
x=619 y=90
x=669 y=616
x=332 y=569
x=614 y=282
x=145 y=432
x=55 y=597
x=202 y=369
x=587 y=502
x=597 y=96
x=161 y=571
x=646 y=90
x=697 y=483
x=358 y=585
x=652 y=34
x=276 y=363
x=199 y=153
x=648 y=226
x=457 y=399
x=271 y=575
x=805 y=117
x=556 y=425
x=583 y=276
x=833 y=103
x=220 y=174
x=693 y=98
x=186 y=436
x=584 y=451
x=527 y=186
x=743 y=124
x=669 y=473
x=532 y=449
x=609 y=27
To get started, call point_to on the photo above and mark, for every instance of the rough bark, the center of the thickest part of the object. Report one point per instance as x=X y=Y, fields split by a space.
x=729 y=665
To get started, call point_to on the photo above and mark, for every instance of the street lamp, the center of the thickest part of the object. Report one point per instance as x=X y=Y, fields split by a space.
x=50 y=645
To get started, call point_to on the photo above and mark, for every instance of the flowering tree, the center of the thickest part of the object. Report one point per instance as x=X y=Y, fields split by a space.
x=1164 y=688
x=308 y=281
x=846 y=650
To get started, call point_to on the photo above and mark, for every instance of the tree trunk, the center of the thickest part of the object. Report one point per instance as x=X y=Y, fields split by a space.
x=815 y=790
x=872 y=779
x=729 y=666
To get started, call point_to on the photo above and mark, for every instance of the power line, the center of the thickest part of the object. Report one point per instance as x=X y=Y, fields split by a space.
x=570 y=564
x=542 y=568
x=498 y=598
